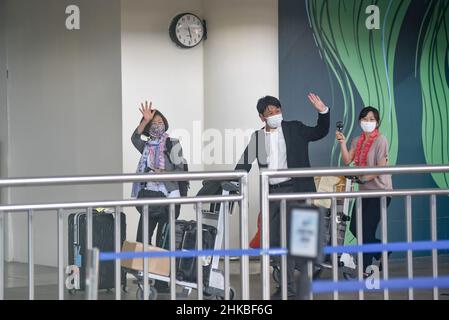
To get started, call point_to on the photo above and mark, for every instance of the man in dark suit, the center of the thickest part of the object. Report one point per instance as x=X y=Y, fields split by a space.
x=282 y=145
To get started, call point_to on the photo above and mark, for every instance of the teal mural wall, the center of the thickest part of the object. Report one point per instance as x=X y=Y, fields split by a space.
x=401 y=68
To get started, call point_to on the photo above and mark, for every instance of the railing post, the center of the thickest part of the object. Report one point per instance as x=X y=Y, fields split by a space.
x=384 y=222
x=226 y=247
x=118 y=238
x=408 y=212
x=61 y=254
x=93 y=256
x=244 y=262
x=359 y=231
x=310 y=266
x=30 y=255
x=172 y=221
x=2 y=255
x=89 y=228
x=433 y=225
x=334 y=244
x=145 y=249
x=199 y=241
x=265 y=237
x=284 y=245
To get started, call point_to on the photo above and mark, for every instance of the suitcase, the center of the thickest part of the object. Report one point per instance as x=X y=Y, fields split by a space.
x=164 y=242
x=186 y=240
x=103 y=238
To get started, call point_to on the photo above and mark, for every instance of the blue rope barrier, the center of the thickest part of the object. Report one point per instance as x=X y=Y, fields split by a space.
x=392 y=284
x=395 y=246
x=317 y=286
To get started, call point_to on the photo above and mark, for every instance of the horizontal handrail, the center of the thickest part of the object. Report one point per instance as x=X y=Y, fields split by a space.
x=356 y=194
x=121 y=203
x=312 y=172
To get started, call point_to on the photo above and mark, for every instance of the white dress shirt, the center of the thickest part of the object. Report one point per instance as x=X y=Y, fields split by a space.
x=277 y=151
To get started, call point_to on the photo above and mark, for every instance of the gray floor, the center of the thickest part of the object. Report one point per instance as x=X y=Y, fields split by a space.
x=16 y=277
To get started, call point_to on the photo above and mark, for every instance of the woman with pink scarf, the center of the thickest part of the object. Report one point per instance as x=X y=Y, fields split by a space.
x=370 y=149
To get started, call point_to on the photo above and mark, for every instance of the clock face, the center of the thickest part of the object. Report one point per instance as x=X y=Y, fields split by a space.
x=188 y=30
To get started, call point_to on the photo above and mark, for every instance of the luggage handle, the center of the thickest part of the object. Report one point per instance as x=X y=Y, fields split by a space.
x=231 y=186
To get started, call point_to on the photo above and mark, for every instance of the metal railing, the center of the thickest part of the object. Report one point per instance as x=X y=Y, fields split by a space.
x=266 y=197
x=242 y=199
x=60 y=208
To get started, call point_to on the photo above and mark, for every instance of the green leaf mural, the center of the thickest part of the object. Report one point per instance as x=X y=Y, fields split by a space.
x=361 y=60
x=434 y=73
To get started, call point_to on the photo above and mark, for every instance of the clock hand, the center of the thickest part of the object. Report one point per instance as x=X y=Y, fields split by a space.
x=190 y=33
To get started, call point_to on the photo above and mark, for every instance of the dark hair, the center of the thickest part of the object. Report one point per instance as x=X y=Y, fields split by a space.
x=266 y=101
x=367 y=110
x=146 y=131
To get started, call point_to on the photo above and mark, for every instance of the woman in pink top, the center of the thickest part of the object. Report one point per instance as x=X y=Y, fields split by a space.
x=370 y=149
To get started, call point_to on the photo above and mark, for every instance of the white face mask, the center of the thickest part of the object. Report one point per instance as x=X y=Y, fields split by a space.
x=368 y=126
x=275 y=121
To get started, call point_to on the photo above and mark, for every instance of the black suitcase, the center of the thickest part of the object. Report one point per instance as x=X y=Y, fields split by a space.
x=180 y=226
x=103 y=238
x=186 y=240
x=186 y=267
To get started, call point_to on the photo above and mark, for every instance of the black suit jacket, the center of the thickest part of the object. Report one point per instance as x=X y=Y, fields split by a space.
x=297 y=137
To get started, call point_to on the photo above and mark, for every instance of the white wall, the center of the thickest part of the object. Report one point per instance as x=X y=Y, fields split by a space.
x=3 y=101
x=241 y=66
x=3 y=106
x=3 y=117
x=71 y=107
x=153 y=68
x=217 y=83
x=65 y=108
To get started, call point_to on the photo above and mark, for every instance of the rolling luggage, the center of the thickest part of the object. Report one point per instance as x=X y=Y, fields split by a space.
x=186 y=240
x=103 y=238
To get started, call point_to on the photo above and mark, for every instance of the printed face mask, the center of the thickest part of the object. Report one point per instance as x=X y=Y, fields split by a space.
x=157 y=130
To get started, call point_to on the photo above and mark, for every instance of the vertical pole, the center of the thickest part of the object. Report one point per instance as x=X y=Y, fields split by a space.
x=244 y=262
x=226 y=247
x=383 y=212
x=265 y=238
x=310 y=278
x=334 y=244
x=408 y=219
x=360 y=242
x=89 y=229
x=93 y=256
x=2 y=255
x=433 y=224
x=89 y=234
x=146 y=292
x=199 y=241
x=284 y=245
x=118 y=237
x=30 y=255
x=172 y=219
x=61 y=254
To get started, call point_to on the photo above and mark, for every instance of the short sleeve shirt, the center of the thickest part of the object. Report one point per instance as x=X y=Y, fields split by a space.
x=377 y=152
